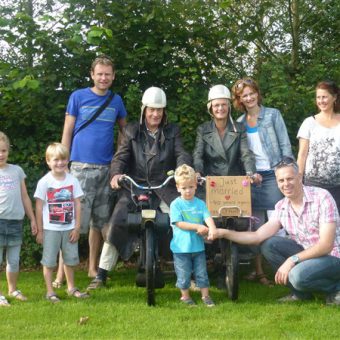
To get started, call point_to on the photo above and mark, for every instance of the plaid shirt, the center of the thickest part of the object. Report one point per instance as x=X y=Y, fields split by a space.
x=318 y=207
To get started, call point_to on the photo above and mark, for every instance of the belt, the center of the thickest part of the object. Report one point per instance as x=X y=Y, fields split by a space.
x=90 y=165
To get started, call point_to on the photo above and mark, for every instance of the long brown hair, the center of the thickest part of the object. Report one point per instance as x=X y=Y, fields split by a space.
x=333 y=89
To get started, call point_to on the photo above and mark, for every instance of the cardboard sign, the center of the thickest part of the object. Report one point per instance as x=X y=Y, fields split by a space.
x=228 y=191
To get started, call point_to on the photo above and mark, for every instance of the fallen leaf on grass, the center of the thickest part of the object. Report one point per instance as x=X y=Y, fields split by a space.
x=83 y=320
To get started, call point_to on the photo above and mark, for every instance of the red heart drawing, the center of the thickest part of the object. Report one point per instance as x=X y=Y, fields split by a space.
x=212 y=184
x=227 y=197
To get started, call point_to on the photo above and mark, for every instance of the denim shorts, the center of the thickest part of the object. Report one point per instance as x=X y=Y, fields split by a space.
x=191 y=263
x=55 y=241
x=12 y=258
x=95 y=204
x=10 y=232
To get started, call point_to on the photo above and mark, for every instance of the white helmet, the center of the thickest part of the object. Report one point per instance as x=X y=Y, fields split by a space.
x=218 y=92
x=153 y=97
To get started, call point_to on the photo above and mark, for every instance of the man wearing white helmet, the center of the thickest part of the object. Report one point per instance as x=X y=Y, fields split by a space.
x=148 y=150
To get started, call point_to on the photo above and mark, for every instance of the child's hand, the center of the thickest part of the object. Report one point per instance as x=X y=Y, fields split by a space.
x=34 y=228
x=74 y=235
x=39 y=237
x=202 y=230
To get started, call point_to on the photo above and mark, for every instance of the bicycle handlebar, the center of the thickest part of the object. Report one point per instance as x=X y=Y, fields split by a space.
x=138 y=186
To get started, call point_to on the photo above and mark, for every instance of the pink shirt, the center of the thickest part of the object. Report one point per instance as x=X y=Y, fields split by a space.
x=318 y=207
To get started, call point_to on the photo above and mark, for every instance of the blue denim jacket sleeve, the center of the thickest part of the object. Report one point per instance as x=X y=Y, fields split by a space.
x=273 y=134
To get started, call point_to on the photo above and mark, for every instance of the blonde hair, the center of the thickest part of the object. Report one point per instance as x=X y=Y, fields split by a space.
x=185 y=173
x=102 y=60
x=5 y=139
x=57 y=150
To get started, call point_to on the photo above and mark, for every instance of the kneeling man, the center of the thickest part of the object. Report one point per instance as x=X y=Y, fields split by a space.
x=308 y=260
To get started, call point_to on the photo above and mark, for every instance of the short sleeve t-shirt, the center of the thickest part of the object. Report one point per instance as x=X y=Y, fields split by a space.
x=194 y=211
x=11 y=206
x=58 y=197
x=95 y=143
x=323 y=159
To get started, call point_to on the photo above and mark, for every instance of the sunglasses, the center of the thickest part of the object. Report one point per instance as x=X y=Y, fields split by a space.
x=286 y=161
x=240 y=84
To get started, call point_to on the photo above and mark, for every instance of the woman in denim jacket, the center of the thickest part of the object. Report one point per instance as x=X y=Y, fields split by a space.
x=268 y=139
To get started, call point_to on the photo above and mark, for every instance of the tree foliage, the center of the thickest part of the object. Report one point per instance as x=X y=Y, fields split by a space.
x=182 y=46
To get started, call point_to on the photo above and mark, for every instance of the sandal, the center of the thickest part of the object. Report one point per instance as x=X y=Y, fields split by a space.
x=75 y=292
x=188 y=301
x=97 y=283
x=251 y=276
x=262 y=278
x=4 y=302
x=18 y=295
x=57 y=284
x=52 y=298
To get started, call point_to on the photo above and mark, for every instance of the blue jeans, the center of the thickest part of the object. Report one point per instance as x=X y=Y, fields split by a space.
x=319 y=274
x=188 y=263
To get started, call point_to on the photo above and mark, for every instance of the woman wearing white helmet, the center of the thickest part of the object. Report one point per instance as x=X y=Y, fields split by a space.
x=221 y=147
x=148 y=150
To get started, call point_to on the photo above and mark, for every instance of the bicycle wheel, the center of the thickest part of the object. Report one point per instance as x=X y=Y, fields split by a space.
x=232 y=267
x=150 y=265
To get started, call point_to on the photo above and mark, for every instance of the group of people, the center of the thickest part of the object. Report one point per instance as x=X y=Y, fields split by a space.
x=299 y=228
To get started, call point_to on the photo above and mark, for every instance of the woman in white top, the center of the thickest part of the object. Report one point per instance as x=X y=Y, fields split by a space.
x=319 y=142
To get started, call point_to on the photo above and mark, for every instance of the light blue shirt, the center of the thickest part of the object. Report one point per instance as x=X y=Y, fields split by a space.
x=273 y=134
x=193 y=211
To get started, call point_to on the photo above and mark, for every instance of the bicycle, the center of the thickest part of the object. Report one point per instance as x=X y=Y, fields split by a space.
x=149 y=223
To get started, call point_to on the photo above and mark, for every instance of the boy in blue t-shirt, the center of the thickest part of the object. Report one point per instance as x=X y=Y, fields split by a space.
x=188 y=215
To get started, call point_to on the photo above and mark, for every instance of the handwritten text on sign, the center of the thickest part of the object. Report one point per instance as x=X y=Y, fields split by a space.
x=228 y=191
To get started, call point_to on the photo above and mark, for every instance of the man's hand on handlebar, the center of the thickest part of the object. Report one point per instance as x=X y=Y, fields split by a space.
x=115 y=181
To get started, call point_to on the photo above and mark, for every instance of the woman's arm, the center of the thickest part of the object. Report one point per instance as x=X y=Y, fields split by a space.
x=282 y=135
x=302 y=155
x=247 y=156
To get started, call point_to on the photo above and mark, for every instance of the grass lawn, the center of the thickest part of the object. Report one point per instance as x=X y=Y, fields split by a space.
x=120 y=312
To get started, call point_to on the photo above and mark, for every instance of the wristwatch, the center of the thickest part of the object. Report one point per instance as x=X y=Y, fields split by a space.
x=295 y=259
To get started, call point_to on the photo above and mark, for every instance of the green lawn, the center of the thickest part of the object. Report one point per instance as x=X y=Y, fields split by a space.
x=120 y=312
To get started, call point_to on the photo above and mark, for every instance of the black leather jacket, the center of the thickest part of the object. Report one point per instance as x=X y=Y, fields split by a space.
x=146 y=165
